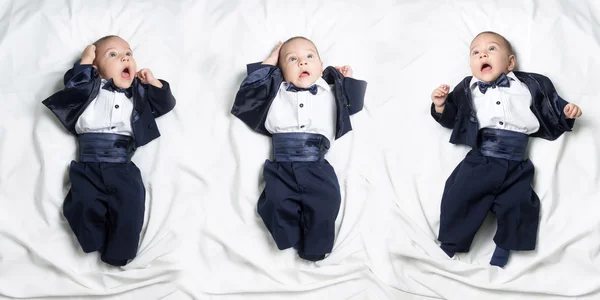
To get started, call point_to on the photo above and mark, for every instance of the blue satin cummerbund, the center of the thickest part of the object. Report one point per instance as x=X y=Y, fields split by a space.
x=299 y=146
x=501 y=143
x=105 y=147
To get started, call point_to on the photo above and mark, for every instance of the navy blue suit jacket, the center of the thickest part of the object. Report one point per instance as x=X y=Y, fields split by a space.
x=546 y=105
x=82 y=85
x=260 y=87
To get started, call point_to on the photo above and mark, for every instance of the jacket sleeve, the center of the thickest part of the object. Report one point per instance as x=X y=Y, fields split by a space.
x=256 y=92
x=447 y=117
x=558 y=105
x=81 y=84
x=355 y=93
x=161 y=100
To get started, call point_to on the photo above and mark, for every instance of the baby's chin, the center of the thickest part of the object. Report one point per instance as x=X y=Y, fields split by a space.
x=486 y=77
x=121 y=83
x=303 y=82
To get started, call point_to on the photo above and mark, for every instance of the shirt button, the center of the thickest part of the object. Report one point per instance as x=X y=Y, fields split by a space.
x=113 y=127
x=302 y=126
x=117 y=106
x=498 y=102
x=501 y=123
x=301 y=105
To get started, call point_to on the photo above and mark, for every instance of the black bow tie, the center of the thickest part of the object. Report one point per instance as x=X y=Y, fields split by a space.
x=312 y=89
x=501 y=81
x=110 y=86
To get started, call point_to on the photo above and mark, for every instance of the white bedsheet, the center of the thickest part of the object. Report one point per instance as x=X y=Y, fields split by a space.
x=202 y=237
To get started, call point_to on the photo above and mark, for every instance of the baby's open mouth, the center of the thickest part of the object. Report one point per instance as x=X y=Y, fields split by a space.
x=304 y=74
x=486 y=68
x=125 y=73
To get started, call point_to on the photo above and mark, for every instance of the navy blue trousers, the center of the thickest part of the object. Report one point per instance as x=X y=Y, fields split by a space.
x=480 y=184
x=299 y=205
x=105 y=208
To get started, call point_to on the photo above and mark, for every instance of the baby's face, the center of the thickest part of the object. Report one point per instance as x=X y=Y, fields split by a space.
x=114 y=59
x=300 y=63
x=490 y=57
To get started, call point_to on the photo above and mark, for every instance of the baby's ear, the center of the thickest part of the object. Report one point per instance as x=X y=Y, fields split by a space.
x=512 y=62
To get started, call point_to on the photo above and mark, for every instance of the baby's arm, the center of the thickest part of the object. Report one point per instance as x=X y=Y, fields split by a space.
x=273 y=58
x=353 y=88
x=258 y=88
x=258 y=73
x=88 y=55
x=438 y=96
x=146 y=77
x=82 y=83
x=270 y=61
x=564 y=111
x=572 y=111
x=346 y=70
x=443 y=109
x=74 y=77
x=160 y=98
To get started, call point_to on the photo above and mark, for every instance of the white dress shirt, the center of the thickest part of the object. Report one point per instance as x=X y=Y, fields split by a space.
x=109 y=112
x=303 y=111
x=505 y=108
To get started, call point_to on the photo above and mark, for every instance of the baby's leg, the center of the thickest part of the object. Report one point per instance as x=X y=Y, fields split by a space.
x=278 y=205
x=85 y=206
x=517 y=208
x=126 y=207
x=320 y=206
x=468 y=196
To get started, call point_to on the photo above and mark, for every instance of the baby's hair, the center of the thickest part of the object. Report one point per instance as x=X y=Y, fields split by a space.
x=104 y=38
x=506 y=42
x=297 y=38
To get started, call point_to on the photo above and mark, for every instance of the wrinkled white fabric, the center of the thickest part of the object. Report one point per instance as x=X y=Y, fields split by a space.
x=202 y=237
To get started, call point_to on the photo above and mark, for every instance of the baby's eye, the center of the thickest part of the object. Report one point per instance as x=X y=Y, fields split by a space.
x=492 y=48
x=129 y=54
x=475 y=52
x=310 y=56
x=112 y=54
x=292 y=59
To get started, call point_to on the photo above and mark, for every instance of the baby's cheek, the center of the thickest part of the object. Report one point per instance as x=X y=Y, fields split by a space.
x=286 y=75
x=102 y=72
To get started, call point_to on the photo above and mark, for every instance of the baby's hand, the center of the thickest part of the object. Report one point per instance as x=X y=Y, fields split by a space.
x=146 y=77
x=345 y=70
x=439 y=95
x=572 y=111
x=88 y=55
x=274 y=56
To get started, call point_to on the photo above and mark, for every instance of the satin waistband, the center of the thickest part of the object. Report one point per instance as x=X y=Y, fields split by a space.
x=105 y=147
x=299 y=146
x=501 y=143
